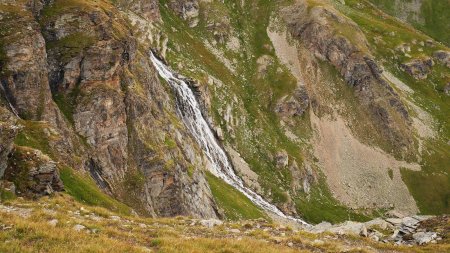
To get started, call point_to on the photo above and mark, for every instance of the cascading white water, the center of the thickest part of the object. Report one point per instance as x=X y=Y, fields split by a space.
x=191 y=114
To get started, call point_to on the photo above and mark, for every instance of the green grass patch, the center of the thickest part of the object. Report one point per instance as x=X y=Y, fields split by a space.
x=235 y=204
x=6 y=195
x=433 y=15
x=33 y=135
x=84 y=189
x=321 y=206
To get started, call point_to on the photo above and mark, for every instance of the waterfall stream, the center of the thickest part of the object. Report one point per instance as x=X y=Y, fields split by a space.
x=192 y=117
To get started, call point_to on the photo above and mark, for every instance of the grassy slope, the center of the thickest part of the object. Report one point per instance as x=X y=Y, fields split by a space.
x=431 y=186
x=235 y=205
x=260 y=136
x=125 y=233
x=84 y=189
x=435 y=14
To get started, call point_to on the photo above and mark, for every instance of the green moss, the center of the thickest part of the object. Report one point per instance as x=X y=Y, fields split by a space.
x=84 y=189
x=235 y=205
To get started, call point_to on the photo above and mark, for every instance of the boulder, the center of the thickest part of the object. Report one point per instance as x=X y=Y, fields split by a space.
x=294 y=105
x=281 y=159
x=418 y=68
x=187 y=10
x=443 y=57
x=211 y=223
x=447 y=89
x=79 y=227
x=33 y=173
x=424 y=237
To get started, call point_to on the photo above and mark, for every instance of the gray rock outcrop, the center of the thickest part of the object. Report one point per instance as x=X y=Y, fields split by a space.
x=418 y=68
x=33 y=173
x=111 y=117
x=187 y=10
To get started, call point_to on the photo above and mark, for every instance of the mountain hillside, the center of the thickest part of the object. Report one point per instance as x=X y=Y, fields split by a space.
x=430 y=16
x=301 y=113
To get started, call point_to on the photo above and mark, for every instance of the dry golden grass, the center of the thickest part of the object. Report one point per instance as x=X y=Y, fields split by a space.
x=26 y=228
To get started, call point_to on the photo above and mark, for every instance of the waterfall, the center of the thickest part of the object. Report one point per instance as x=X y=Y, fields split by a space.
x=189 y=110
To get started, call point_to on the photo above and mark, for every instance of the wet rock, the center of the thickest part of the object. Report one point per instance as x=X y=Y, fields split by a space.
x=418 y=68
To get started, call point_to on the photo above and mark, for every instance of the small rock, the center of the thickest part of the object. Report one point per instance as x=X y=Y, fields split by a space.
x=211 y=223
x=394 y=221
x=235 y=231
x=364 y=232
x=443 y=57
x=78 y=227
x=290 y=244
x=53 y=222
x=424 y=237
x=282 y=159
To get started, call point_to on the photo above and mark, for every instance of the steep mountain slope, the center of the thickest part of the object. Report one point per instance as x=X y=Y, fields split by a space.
x=89 y=98
x=328 y=110
x=430 y=16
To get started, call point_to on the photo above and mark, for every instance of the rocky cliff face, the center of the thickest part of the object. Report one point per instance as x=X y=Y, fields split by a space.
x=111 y=110
x=336 y=39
